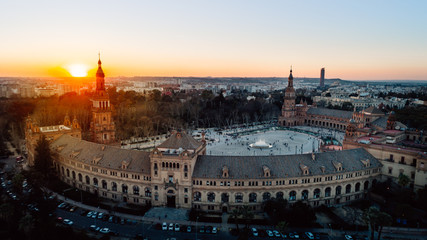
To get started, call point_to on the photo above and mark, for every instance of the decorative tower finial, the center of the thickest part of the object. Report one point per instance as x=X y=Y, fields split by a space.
x=99 y=58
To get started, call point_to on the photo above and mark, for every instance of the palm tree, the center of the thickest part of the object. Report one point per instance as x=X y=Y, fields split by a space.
x=235 y=214
x=247 y=214
x=282 y=226
x=403 y=180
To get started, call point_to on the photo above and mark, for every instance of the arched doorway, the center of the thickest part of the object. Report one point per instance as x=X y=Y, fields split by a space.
x=170 y=198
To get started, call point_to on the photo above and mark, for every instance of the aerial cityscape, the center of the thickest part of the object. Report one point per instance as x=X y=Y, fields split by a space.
x=213 y=120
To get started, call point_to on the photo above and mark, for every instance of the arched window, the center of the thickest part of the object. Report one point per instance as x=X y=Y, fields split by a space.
x=95 y=181
x=114 y=186
x=147 y=192
x=328 y=192
x=238 y=198
x=136 y=190
x=266 y=196
x=366 y=185
x=124 y=188
x=197 y=196
x=211 y=197
x=63 y=171
x=304 y=195
x=338 y=190
x=87 y=180
x=224 y=198
x=104 y=184
x=252 y=197
x=163 y=164
x=316 y=193
x=279 y=195
x=80 y=177
x=357 y=187
x=155 y=166
x=348 y=188
x=173 y=165
x=292 y=196
x=73 y=174
x=68 y=173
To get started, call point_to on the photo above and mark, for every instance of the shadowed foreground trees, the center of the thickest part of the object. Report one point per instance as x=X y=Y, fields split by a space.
x=376 y=220
x=43 y=156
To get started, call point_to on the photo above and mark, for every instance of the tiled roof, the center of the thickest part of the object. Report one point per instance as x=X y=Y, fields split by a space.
x=286 y=166
x=180 y=140
x=373 y=110
x=380 y=122
x=330 y=112
x=101 y=155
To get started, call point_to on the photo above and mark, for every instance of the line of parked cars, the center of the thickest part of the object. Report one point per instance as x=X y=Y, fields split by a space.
x=277 y=234
x=177 y=228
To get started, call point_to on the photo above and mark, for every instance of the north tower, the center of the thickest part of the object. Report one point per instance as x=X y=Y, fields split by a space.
x=102 y=125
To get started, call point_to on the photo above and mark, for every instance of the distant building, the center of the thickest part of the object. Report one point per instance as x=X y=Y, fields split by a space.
x=322 y=78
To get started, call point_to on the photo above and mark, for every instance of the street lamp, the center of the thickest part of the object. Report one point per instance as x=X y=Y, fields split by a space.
x=197 y=218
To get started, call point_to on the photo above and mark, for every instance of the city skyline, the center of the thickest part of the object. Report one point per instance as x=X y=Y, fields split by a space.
x=354 y=41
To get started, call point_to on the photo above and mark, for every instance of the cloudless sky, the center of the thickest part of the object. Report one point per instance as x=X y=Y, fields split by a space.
x=356 y=40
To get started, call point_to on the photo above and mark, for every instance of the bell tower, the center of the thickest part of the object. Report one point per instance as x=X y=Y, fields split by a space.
x=102 y=125
x=288 y=117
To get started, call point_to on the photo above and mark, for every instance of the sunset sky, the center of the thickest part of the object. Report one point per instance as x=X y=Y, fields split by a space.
x=354 y=40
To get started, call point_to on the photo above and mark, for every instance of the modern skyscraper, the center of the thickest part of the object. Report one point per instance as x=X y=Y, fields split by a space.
x=102 y=124
x=322 y=78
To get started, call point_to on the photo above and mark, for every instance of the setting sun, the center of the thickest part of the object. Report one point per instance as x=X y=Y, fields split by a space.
x=78 y=70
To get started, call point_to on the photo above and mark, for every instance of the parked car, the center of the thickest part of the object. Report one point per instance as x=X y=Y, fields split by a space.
x=170 y=227
x=208 y=229
x=104 y=230
x=309 y=235
x=164 y=226
x=94 y=228
x=202 y=229
x=100 y=215
x=68 y=222
x=62 y=205
x=214 y=230
x=177 y=227
x=276 y=233
x=189 y=229
x=348 y=237
x=94 y=214
x=110 y=219
x=269 y=233
x=89 y=214
x=254 y=232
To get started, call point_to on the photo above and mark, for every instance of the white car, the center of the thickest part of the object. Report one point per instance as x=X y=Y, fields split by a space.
x=269 y=233
x=100 y=215
x=348 y=237
x=254 y=232
x=214 y=230
x=177 y=227
x=309 y=235
x=170 y=227
x=164 y=226
x=276 y=233
x=104 y=230
x=89 y=214
x=68 y=222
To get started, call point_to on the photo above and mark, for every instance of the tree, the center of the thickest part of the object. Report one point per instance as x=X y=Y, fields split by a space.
x=247 y=214
x=376 y=220
x=282 y=226
x=26 y=224
x=17 y=181
x=403 y=180
x=235 y=214
x=43 y=156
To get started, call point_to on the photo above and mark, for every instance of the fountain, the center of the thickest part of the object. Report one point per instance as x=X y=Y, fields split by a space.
x=261 y=144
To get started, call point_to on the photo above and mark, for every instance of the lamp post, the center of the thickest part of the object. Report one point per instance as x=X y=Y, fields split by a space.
x=330 y=232
x=197 y=218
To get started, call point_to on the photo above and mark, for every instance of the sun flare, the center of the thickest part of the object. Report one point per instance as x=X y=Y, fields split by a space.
x=78 y=70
